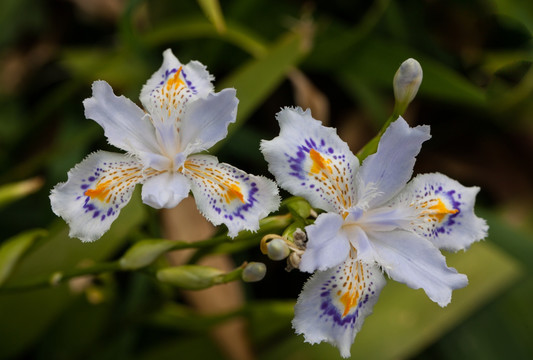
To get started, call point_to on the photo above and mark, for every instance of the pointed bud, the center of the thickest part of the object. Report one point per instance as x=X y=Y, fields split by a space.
x=190 y=277
x=144 y=252
x=254 y=271
x=406 y=82
x=277 y=249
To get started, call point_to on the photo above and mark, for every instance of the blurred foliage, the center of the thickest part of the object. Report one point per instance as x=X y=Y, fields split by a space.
x=477 y=94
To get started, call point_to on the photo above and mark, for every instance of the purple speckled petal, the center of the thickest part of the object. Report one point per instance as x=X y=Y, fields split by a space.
x=166 y=94
x=311 y=161
x=443 y=211
x=334 y=303
x=95 y=192
x=227 y=195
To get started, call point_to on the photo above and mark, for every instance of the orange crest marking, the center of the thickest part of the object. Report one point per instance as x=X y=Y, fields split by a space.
x=234 y=191
x=318 y=162
x=101 y=192
x=439 y=211
x=175 y=81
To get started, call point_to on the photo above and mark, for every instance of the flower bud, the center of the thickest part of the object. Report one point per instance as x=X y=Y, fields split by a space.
x=190 y=277
x=299 y=206
x=254 y=271
x=289 y=231
x=406 y=82
x=277 y=249
x=144 y=252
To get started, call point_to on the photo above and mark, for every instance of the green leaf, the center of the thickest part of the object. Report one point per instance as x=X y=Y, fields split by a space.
x=183 y=29
x=14 y=191
x=378 y=59
x=212 y=10
x=257 y=79
x=25 y=316
x=520 y=10
x=14 y=248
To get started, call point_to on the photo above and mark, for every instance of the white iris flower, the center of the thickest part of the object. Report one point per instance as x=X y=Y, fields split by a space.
x=183 y=116
x=375 y=222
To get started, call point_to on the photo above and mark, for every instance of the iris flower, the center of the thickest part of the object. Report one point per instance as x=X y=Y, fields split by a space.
x=183 y=116
x=376 y=221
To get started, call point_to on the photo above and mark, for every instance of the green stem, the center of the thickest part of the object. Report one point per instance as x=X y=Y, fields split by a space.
x=372 y=146
x=272 y=224
x=233 y=275
x=60 y=277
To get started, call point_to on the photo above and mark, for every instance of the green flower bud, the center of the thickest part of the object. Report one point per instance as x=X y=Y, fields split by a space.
x=277 y=249
x=190 y=277
x=298 y=207
x=254 y=271
x=288 y=233
x=406 y=82
x=144 y=252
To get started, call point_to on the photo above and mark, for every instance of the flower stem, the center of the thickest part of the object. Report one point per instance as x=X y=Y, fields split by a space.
x=59 y=277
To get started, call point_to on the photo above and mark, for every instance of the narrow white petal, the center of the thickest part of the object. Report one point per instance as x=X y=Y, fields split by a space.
x=311 y=161
x=387 y=171
x=95 y=192
x=227 y=195
x=124 y=123
x=442 y=211
x=410 y=259
x=206 y=121
x=165 y=190
x=334 y=303
x=327 y=244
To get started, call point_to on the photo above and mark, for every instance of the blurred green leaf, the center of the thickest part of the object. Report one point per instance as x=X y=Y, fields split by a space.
x=520 y=10
x=25 y=316
x=440 y=82
x=494 y=61
x=12 y=192
x=517 y=241
x=118 y=67
x=14 y=248
x=213 y=12
x=15 y=18
x=258 y=78
x=183 y=29
x=196 y=347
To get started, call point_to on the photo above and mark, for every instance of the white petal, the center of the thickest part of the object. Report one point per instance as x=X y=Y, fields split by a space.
x=206 y=121
x=227 y=195
x=311 y=161
x=359 y=240
x=414 y=261
x=124 y=123
x=95 y=192
x=443 y=211
x=334 y=303
x=327 y=244
x=165 y=190
x=173 y=85
x=167 y=95
x=387 y=171
x=194 y=75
